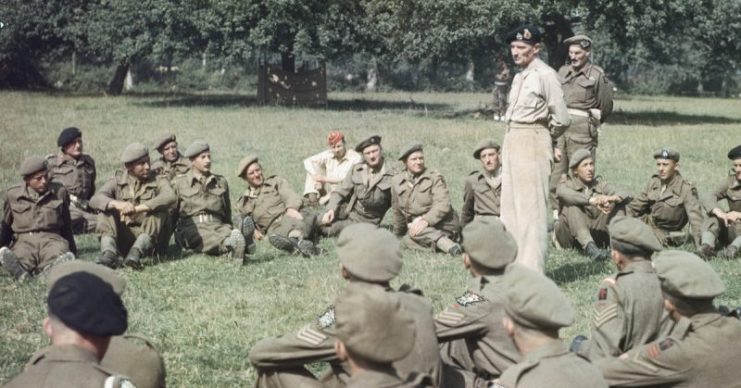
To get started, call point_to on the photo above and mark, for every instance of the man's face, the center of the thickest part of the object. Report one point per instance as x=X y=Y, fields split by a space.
x=338 y=150
x=578 y=56
x=201 y=162
x=415 y=162
x=523 y=53
x=139 y=169
x=74 y=149
x=170 y=151
x=737 y=169
x=489 y=158
x=373 y=156
x=39 y=181
x=253 y=175
x=585 y=170
x=667 y=168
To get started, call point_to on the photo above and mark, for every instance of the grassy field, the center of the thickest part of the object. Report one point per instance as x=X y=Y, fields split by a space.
x=205 y=313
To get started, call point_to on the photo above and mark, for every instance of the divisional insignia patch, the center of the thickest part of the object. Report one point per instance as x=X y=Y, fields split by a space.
x=602 y=294
x=654 y=350
x=327 y=318
x=469 y=298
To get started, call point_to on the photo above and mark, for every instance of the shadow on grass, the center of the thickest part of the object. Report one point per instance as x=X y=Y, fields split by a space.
x=570 y=272
x=662 y=118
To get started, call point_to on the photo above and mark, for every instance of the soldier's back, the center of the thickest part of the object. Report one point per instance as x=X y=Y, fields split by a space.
x=425 y=355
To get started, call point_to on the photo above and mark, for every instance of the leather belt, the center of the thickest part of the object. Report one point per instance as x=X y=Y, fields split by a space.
x=579 y=112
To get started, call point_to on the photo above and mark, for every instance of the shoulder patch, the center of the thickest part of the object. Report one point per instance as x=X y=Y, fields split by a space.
x=311 y=336
x=469 y=298
x=327 y=318
x=654 y=350
x=602 y=294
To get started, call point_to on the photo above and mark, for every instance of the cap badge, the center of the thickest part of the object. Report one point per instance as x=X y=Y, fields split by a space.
x=526 y=34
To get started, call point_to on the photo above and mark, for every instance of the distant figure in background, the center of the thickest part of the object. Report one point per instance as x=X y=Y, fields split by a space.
x=325 y=170
x=76 y=172
x=724 y=227
x=501 y=88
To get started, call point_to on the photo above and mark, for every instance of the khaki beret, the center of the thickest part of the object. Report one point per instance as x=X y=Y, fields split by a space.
x=667 y=153
x=526 y=33
x=68 y=135
x=375 y=139
x=196 y=148
x=372 y=323
x=534 y=301
x=32 y=165
x=163 y=140
x=134 y=152
x=484 y=144
x=583 y=41
x=685 y=275
x=410 y=148
x=368 y=252
x=69 y=267
x=245 y=163
x=488 y=243
x=735 y=153
x=578 y=156
x=634 y=232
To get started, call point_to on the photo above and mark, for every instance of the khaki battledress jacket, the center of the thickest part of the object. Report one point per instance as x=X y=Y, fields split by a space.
x=481 y=196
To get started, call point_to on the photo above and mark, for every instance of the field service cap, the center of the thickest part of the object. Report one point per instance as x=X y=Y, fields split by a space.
x=578 y=157
x=667 y=153
x=32 y=165
x=87 y=304
x=372 y=324
x=245 y=163
x=68 y=135
x=163 y=140
x=582 y=40
x=409 y=149
x=134 y=152
x=368 y=252
x=525 y=33
x=687 y=276
x=634 y=232
x=534 y=301
x=484 y=144
x=375 y=139
x=195 y=149
x=488 y=243
x=735 y=153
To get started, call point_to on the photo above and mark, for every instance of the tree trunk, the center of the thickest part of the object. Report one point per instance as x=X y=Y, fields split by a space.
x=116 y=85
x=557 y=28
x=288 y=62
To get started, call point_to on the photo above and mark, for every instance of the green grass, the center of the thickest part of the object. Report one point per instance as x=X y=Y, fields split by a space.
x=204 y=313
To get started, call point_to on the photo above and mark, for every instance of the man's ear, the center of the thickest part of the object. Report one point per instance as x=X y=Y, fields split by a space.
x=48 y=327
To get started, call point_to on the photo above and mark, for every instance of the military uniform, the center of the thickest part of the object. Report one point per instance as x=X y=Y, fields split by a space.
x=715 y=230
x=171 y=170
x=481 y=195
x=536 y=114
x=78 y=177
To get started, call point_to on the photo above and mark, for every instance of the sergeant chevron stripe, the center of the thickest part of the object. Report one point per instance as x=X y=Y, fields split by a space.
x=604 y=315
x=450 y=317
x=310 y=336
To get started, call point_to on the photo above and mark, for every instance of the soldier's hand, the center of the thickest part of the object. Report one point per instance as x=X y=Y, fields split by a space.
x=417 y=226
x=557 y=154
x=732 y=216
x=328 y=217
x=319 y=179
x=257 y=235
x=291 y=212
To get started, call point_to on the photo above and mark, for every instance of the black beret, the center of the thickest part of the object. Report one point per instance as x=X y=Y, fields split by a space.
x=735 y=153
x=526 y=33
x=68 y=135
x=375 y=139
x=88 y=305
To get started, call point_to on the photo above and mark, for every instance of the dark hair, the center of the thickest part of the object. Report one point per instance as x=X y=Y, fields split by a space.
x=689 y=307
x=629 y=249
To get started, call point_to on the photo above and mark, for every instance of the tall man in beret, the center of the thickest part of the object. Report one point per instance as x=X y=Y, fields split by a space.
x=76 y=172
x=474 y=348
x=369 y=258
x=536 y=310
x=702 y=350
x=669 y=202
x=83 y=314
x=588 y=96
x=724 y=227
x=134 y=204
x=327 y=169
x=270 y=207
x=587 y=205
x=536 y=117
x=628 y=310
x=423 y=215
x=365 y=193
x=483 y=188
x=36 y=229
x=204 y=209
x=171 y=163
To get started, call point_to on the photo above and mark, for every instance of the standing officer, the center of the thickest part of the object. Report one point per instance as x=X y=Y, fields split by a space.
x=629 y=309
x=269 y=206
x=365 y=193
x=325 y=170
x=204 y=209
x=474 y=347
x=669 y=202
x=536 y=117
x=587 y=205
x=423 y=215
x=171 y=163
x=536 y=310
x=720 y=225
x=369 y=258
x=76 y=172
x=483 y=189
x=36 y=224
x=702 y=350
x=588 y=96
x=133 y=206
x=84 y=312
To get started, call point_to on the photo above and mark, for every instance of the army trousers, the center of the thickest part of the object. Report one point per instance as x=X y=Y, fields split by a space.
x=576 y=228
x=668 y=238
x=125 y=233
x=526 y=166
x=287 y=226
x=581 y=134
x=206 y=237
x=343 y=219
x=429 y=239
x=37 y=250
x=459 y=372
x=716 y=234
x=83 y=221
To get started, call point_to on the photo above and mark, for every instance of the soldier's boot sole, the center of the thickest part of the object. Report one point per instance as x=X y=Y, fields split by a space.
x=248 y=230
x=706 y=252
x=133 y=260
x=10 y=262
x=237 y=244
x=455 y=250
x=110 y=259
x=306 y=248
x=283 y=243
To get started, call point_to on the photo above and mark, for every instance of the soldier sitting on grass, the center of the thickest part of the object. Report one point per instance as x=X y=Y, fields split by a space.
x=724 y=228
